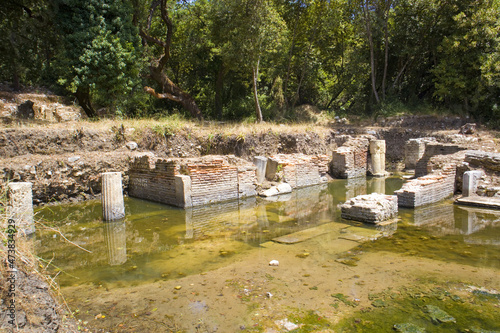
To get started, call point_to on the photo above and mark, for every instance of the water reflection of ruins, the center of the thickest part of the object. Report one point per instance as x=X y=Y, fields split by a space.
x=115 y=236
x=249 y=219
x=445 y=218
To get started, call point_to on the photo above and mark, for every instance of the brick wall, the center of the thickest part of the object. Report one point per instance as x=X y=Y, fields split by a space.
x=350 y=160
x=210 y=179
x=299 y=170
x=434 y=149
x=428 y=189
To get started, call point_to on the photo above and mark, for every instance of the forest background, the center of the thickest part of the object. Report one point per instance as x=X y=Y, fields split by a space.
x=257 y=60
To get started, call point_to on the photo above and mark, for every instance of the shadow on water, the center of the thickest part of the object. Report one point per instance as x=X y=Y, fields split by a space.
x=156 y=241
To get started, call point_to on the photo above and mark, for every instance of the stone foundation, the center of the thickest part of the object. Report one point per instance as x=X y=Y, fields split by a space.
x=428 y=189
x=434 y=149
x=414 y=151
x=350 y=160
x=191 y=182
x=298 y=170
x=372 y=208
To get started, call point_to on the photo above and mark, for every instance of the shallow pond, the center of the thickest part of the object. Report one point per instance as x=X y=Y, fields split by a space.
x=226 y=247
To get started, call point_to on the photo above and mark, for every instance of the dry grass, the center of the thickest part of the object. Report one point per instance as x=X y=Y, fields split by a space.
x=28 y=263
x=176 y=124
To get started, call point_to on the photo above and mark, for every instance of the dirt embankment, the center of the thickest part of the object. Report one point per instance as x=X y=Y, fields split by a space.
x=65 y=163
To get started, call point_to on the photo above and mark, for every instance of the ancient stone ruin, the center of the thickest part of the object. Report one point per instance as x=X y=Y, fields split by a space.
x=191 y=181
x=20 y=207
x=372 y=208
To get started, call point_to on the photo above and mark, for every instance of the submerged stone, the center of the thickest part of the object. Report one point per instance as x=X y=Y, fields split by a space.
x=437 y=315
x=408 y=328
x=373 y=208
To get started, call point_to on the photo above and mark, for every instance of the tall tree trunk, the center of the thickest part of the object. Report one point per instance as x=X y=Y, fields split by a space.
x=82 y=94
x=258 y=111
x=372 y=52
x=219 y=86
x=169 y=89
x=386 y=41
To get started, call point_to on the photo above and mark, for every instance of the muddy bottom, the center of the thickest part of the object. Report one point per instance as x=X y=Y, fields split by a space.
x=169 y=270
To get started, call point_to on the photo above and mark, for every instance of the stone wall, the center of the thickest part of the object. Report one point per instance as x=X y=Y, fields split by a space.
x=350 y=160
x=434 y=149
x=193 y=181
x=298 y=170
x=428 y=189
x=414 y=151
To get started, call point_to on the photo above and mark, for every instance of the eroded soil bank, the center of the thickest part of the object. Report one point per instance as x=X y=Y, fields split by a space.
x=64 y=161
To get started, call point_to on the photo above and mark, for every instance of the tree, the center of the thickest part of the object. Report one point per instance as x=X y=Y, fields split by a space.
x=159 y=12
x=100 y=51
x=251 y=30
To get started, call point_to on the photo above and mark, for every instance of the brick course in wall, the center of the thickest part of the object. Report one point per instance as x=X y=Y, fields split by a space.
x=211 y=179
x=350 y=160
x=428 y=189
x=298 y=170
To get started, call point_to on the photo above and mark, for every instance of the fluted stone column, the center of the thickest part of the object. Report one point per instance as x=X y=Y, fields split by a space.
x=113 y=207
x=20 y=208
x=115 y=234
x=470 y=181
x=377 y=151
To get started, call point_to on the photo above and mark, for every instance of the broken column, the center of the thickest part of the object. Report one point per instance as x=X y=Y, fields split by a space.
x=372 y=208
x=261 y=164
x=471 y=179
x=20 y=208
x=377 y=151
x=113 y=207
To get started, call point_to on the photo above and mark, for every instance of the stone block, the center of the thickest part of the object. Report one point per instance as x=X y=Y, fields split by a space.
x=271 y=168
x=183 y=191
x=261 y=163
x=471 y=180
x=372 y=208
x=20 y=206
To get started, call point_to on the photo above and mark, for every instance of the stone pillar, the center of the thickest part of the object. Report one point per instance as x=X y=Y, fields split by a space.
x=377 y=151
x=261 y=164
x=183 y=191
x=271 y=168
x=20 y=207
x=113 y=207
x=471 y=179
x=115 y=235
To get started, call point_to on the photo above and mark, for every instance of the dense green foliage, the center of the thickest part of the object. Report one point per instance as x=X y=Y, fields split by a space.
x=237 y=58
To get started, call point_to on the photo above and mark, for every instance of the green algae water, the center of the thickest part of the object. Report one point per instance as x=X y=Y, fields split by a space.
x=156 y=243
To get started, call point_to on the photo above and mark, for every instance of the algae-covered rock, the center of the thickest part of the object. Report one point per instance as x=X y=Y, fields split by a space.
x=437 y=315
x=408 y=328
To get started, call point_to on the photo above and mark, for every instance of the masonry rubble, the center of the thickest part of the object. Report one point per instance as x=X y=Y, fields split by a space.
x=372 y=208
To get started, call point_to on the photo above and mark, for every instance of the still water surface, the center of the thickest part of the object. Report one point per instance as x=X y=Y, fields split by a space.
x=156 y=242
